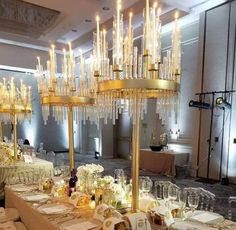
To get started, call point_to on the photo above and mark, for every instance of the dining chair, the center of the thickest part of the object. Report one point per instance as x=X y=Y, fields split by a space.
x=159 y=185
x=59 y=159
x=231 y=199
x=51 y=157
x=206 y=198
x=42 y=154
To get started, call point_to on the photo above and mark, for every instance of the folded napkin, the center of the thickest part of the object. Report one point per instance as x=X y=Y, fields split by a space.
x=207 y=218
x=8 y=226
x=186 y=225
x=86 y=225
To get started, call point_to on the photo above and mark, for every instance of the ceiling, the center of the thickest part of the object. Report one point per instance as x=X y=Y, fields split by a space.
x=76 y=21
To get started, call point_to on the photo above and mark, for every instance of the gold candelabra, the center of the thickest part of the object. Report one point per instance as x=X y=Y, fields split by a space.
x=15 y=105
x=132 y=79
x=63 y=93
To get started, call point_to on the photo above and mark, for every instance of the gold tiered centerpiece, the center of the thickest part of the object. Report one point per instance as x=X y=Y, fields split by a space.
x=15 y=105
x=133 y=78
x=64 y=92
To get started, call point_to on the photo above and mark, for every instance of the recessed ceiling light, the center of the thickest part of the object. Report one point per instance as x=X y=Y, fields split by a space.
x=74 y=30
x=88 y=20
x=105 y=8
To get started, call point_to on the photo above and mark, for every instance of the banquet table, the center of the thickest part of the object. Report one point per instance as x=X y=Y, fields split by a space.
x=34 y=220
x=21 y=171
x=162 y=162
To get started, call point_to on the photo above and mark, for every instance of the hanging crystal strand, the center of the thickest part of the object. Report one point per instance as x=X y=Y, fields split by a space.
x=140 y=65
x=135 y=62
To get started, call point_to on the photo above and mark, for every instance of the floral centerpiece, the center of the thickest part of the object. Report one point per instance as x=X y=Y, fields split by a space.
x=6 y=153
x=87 y=177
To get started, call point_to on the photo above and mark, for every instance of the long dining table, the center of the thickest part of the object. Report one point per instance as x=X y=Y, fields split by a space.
x=35 y=220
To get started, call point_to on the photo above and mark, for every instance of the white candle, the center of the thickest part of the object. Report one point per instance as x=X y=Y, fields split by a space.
x=70 y=52
x=104 y=43
x=38 y=58
x=98 y=44
x=147 y=25
x=154 y=35
x=118 y=31
x=65 y=66
x=130 y=35
x=48 y=66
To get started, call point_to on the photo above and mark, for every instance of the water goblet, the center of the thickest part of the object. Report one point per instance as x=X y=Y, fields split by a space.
x=193 y=202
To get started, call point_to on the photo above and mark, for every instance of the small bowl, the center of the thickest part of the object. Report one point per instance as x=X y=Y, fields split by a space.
x=156 y=148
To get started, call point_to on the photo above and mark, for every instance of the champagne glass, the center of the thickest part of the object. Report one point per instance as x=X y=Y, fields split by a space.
x=182 y=201
x=193 y=201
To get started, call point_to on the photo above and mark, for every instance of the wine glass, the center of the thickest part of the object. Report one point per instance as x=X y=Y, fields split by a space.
x=182 y=201
x=193 y=201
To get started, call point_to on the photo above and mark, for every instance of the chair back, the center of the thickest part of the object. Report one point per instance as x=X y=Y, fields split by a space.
x=159 y=185
x=59 y=159
x=206 y=198
x=51 y=157
x=42 y=154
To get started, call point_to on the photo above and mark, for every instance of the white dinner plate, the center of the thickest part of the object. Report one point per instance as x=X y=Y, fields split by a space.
x=36 y=197
x=55 y=208
x=205 y=217
x=22 y=188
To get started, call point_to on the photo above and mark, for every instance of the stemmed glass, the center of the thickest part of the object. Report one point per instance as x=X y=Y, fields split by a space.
x=182 y=201
x=166 y=194
x=193 y=201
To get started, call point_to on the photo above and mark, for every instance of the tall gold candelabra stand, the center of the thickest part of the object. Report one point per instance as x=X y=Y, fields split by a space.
x=134 y=78
x=60 y=91
x=69 y=102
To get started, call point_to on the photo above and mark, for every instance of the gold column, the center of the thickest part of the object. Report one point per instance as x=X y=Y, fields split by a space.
x=14 y=135
x=71 y=137
x=135 y=156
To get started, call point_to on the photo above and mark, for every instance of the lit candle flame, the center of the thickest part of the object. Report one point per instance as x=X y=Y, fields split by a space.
x=155 y=5
x=176 y=15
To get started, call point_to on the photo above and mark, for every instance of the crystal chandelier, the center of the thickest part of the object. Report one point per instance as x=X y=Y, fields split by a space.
x=15 y=105
x=132 y=78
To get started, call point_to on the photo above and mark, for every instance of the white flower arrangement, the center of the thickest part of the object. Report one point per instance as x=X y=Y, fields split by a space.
x=89 y=169
x=106 y=181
